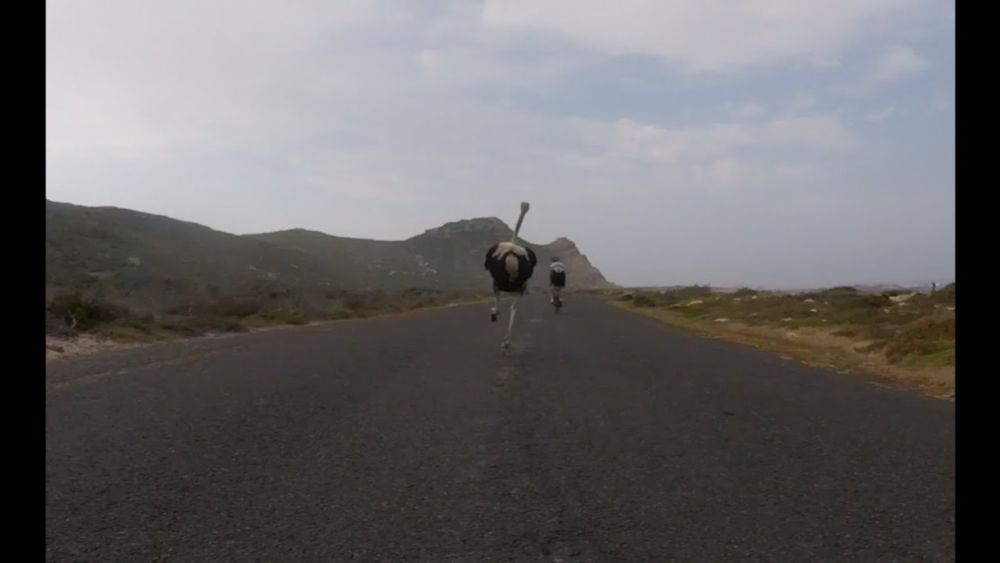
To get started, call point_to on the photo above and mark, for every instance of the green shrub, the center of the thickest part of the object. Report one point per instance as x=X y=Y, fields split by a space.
x=81 y=313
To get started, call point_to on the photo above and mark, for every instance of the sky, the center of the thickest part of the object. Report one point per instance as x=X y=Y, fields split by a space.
x=762 y=143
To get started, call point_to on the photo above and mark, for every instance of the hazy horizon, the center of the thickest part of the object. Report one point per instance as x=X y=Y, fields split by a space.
x=905 y=283
x=765 y=144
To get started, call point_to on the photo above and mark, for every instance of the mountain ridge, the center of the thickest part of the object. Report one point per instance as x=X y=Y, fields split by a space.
x=127 y=253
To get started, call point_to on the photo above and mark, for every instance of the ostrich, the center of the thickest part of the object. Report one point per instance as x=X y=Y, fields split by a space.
x=510 y=265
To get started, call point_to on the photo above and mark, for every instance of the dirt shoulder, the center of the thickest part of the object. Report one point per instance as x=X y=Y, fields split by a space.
x=815 y=346
x=57 y=347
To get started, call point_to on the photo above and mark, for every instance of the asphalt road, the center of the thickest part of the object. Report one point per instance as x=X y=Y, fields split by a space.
x=599 y=436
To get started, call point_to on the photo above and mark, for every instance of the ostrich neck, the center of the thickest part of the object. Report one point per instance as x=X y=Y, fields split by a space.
x=517 y=229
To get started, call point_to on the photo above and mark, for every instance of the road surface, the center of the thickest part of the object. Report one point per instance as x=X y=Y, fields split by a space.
x=600 y=436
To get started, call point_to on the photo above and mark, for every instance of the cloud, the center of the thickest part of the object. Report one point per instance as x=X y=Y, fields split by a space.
x=727 y=173
x=627 y=139
x=713 y=35
x=881 y=114
x=382 y=118
x=818 y=132
x=97 y=120
x=898 y=62
x=942 y=103
x=744 y=111
x=183 y=75
x=710 y=159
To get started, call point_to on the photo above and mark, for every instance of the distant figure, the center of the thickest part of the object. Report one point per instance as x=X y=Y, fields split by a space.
x=511 y=266
x=557 y=279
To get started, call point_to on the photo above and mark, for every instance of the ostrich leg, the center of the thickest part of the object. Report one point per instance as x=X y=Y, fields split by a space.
x=494 y=310
x=510 y=323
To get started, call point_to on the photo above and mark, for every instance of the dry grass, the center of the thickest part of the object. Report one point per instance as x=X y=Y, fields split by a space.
x=73 y=317
x=906 y=339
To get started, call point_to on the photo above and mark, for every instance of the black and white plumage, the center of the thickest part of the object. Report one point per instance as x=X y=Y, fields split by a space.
x=510 y=265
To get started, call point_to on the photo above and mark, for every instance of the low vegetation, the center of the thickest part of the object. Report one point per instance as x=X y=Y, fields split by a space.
x=74 y=313
x=906 y=336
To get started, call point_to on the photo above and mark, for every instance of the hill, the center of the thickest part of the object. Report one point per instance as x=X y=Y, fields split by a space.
x=143 y=259
x=449 y=256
